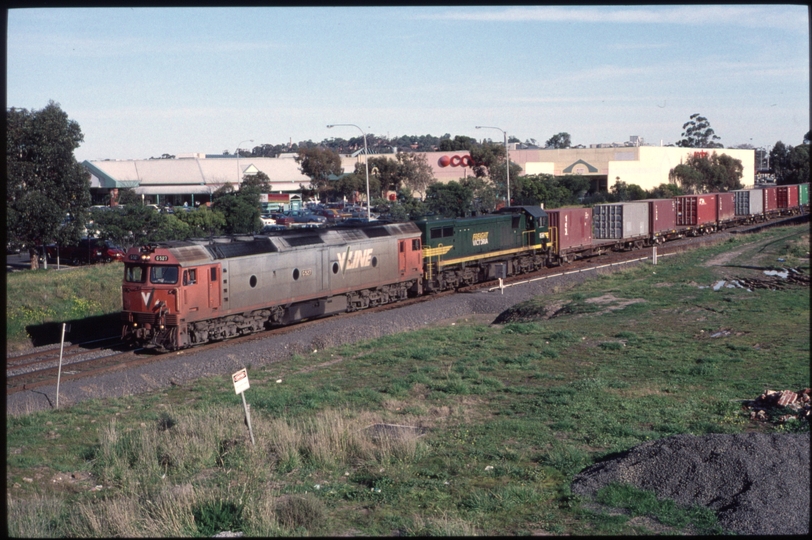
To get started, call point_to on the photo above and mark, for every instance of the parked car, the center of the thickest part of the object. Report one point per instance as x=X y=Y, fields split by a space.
x=88 y=251
x=267 y=219
x=282 y=219
x=305 y=217
x=332 y=215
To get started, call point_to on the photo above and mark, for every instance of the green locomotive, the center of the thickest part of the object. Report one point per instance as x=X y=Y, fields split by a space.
x=463 y=251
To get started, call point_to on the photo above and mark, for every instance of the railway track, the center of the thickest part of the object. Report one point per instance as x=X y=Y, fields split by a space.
x=38 y=369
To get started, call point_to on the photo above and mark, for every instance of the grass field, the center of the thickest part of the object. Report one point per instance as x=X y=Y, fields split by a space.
x=464 y=429
x=38 y=301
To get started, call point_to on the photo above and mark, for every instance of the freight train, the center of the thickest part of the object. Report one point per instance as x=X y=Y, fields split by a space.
x=180 y=294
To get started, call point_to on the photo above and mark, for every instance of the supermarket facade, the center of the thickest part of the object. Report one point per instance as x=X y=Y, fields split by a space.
x=192 y=178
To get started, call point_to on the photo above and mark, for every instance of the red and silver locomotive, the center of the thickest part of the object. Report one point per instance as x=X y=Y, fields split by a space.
x=179 y=294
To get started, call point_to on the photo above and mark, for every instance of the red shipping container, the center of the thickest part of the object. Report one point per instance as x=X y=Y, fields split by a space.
x=770 y=199
x=787 y=196
x=725 y=206
x=570 y=228
x=696 y=210
x=662 y=215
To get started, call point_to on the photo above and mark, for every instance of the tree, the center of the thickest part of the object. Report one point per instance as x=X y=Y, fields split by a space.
x=406 y=207
x=484 y=197
x=552 y=191
x=416 y=172
x=388 y=173
x=790 y=164
x=665 y=191
x=559 y=140
x=355 y=183
x=623 y=192
x=44 y=183
x=319 y=164
x=703 y=174
x=698 y=134
x=241 y=212
x=203 y=222
x=451 y=200
x=460 y=142
x=487 y=157
x=135 y=224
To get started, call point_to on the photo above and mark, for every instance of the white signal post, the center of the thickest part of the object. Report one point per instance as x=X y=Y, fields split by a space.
x=240 y=386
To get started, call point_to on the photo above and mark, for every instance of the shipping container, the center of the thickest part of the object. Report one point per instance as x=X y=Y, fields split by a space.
x=770 y=197
x=696 y=210
x=570 y=228
x=620 y=221
x=725 y=206
x=749 y=202
x=803 y=194
x=662 y=216
x=787 y=196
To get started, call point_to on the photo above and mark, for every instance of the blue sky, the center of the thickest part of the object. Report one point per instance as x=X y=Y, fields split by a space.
x=146 y=81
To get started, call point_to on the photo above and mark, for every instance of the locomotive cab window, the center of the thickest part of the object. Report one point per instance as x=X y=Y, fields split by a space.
x=515 y=222
x=416 y=245
x=163 y=275
x=441 y=232
x=134 y=274
x=190 y=276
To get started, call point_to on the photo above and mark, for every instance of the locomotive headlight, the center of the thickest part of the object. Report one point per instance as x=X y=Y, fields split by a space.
x=161 y=327
x=144 y=257
x=135 y=325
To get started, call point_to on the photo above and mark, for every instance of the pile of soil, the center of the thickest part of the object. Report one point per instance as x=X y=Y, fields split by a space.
x=757 y=483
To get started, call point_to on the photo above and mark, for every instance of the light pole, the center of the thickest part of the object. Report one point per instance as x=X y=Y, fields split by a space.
x=238 y=159
x=507 y=158
x=366 y=163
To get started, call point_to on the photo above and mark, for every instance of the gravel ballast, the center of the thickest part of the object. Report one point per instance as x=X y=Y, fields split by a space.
x=757 y=483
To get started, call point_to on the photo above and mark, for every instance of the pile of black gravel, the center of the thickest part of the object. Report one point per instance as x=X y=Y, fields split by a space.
x=756 y=483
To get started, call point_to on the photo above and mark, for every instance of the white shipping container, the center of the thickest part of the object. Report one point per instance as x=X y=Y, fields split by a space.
x=620 y=221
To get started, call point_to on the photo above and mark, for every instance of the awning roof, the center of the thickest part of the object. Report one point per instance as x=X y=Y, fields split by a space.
x=174 y=190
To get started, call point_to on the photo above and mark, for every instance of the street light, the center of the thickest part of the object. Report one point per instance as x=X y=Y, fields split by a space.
x=507 y=158
x=366 y=162
x=238 y=158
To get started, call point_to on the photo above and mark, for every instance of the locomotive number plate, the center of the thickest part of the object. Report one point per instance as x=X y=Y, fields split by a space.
x=307 y=272
x=162 y=258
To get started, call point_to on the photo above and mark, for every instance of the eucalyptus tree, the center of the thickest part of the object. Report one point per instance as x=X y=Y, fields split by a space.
x=47 y=191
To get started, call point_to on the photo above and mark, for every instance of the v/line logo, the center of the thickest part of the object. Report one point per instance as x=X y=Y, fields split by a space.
x=352 y=259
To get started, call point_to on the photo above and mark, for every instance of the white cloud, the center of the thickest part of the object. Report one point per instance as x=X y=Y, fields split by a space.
x=781 y=17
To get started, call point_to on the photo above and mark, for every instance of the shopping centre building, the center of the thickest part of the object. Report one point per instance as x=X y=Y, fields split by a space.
x=192 y=178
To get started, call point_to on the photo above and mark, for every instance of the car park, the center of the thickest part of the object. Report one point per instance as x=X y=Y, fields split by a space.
x=332 y=215
x=282 y=219
x=87 y=251
x=309 y=218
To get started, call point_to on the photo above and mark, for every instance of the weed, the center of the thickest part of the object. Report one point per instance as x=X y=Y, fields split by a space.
x=217 y=516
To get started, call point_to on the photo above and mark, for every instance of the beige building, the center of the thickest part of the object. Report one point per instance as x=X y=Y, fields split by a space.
x=646 y=166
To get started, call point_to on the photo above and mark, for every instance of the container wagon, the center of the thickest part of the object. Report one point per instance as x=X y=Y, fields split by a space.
x=570 y=233
x=696 y=214
x=625 y=223
x=662 y=217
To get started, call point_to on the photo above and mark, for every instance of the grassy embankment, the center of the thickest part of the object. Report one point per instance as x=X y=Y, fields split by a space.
x=38 y=301
x=505 y=415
